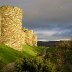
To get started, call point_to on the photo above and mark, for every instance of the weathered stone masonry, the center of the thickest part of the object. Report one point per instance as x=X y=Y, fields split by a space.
x=11 y=32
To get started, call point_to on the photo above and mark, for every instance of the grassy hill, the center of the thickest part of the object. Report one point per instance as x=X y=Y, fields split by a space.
x=8 y=54
x=31 y=50
x=58 y=59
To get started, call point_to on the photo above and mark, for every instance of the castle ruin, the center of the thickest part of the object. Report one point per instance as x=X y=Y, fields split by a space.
x=11 y=31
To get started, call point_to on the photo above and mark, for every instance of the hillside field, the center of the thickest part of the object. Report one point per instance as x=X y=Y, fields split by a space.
x=9 y=55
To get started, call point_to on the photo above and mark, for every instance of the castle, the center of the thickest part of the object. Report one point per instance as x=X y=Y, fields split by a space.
x=11 y=31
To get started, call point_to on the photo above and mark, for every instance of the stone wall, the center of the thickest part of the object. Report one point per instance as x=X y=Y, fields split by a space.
x=30 y=37
x=11 y=32
x=34 y=40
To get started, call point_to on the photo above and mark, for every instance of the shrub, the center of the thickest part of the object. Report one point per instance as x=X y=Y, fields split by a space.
x=31 y=65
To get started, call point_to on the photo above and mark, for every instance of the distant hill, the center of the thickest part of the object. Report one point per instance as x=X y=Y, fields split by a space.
x=47 y=43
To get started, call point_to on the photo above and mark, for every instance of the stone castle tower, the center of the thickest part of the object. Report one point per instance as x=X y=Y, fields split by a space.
x=11 y=31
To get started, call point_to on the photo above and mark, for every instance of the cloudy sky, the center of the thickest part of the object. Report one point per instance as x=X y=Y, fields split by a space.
x=50 y=19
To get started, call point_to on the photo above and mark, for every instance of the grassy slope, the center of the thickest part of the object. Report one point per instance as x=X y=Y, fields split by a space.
x=8 y=55
x=31 y=50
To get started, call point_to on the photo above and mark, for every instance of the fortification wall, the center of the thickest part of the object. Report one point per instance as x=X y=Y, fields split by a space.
x=34 y=40
x=11 y=31
x=11 y=27
x=30 y=37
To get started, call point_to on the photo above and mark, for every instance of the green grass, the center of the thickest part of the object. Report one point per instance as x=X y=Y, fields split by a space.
x=8 y=54
x=31 y=50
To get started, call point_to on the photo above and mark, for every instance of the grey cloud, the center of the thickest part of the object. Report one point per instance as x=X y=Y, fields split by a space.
x=54 y=34
x=50 y=10
x=48 y=25
x=67 y=33
x=64 y=30
x=53 y=37
x=19 y=3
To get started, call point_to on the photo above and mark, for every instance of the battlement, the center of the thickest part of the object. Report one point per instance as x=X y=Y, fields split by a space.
x=11 y=31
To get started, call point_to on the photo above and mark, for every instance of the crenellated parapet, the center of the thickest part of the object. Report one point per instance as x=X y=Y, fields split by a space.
x=11 y=31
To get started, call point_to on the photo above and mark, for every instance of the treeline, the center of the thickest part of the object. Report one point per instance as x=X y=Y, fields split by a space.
x=50 y=43
x=47 y=43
